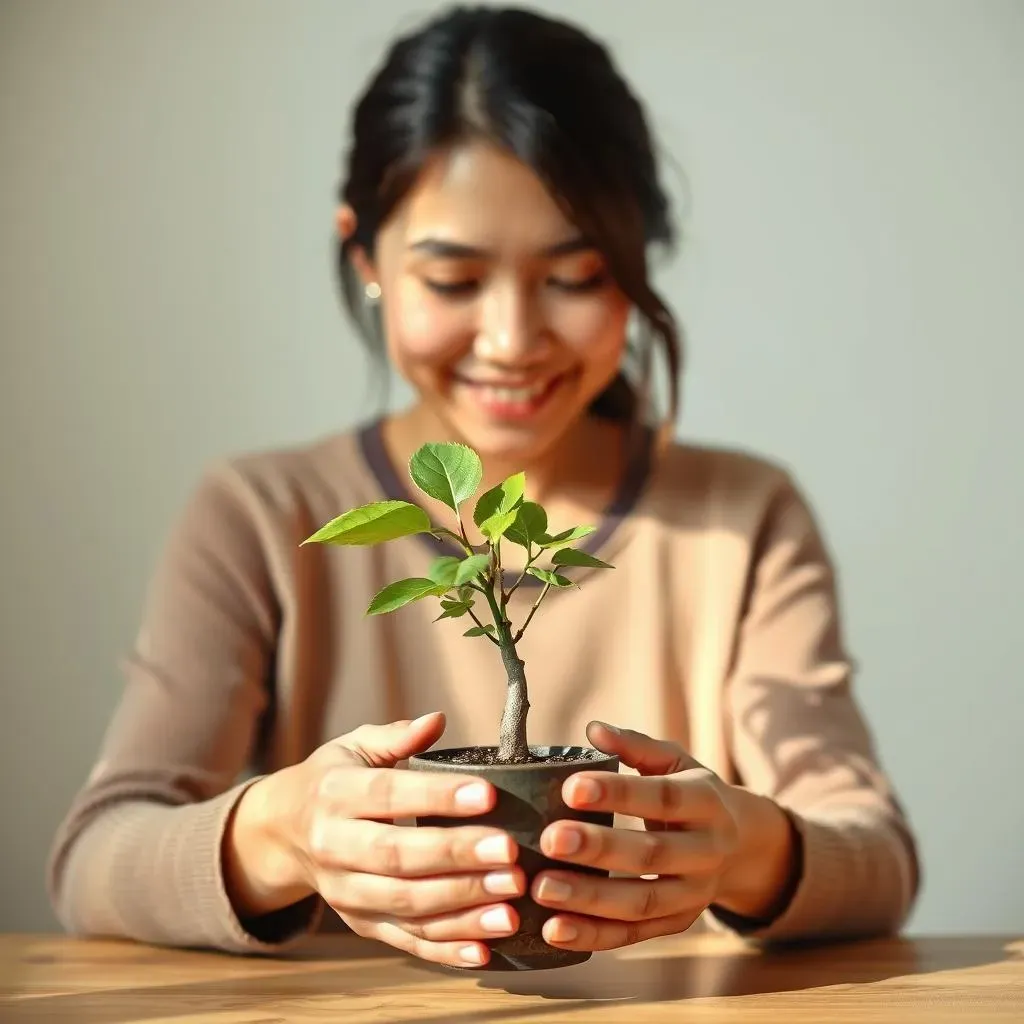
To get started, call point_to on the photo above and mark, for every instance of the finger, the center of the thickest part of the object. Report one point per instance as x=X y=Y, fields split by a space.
x=454 y=954
x=420 y=897
x=638 y=750
x=572 y=931
x=633 y=852
x=391 y=793
x=479 y=923
x=352 y=844
x=621 y=899
x=383 y=746
x=690 y=796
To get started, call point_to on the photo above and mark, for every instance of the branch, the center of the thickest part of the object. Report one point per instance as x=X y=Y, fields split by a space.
x=462 y=530
x=500 y=621
x=499 y=575
x=462 y=541
x=530 y=559
x=533 y=611
x=472 y=615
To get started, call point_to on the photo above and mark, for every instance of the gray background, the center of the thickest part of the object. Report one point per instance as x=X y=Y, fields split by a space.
x=850 y=283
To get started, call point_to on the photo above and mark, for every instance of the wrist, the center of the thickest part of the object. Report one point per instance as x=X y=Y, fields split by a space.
x=761 y=876
x=262 y=869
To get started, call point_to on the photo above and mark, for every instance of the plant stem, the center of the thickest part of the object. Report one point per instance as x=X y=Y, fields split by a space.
x=512 y=743
x=462 y=530
x=513 y=747
x=473 y=616
x=463 y=542
x=500 y=621
x=533 y=611
x=530 y=559
x=499 y=576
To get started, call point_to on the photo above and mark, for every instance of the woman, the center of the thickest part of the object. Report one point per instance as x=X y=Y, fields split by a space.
x=500 y=201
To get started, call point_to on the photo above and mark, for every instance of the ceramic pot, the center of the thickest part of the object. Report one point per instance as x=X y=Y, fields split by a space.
x=529 y=799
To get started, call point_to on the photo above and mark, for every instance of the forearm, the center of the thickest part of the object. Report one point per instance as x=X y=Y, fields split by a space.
x=147 y=871
x=856 y=875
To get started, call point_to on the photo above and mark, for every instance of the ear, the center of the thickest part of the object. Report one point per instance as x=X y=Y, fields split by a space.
x=345 y=220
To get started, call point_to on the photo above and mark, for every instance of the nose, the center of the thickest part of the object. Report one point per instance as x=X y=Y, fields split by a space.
x=512 y=332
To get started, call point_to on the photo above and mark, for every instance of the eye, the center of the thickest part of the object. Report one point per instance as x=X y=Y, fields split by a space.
x=579 y=286
x=457 y=289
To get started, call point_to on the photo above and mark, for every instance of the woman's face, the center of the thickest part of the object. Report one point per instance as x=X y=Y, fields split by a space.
x=495 y=308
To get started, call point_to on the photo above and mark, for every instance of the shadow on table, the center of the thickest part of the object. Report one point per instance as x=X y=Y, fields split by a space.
x=630 y=979
x=267 y=1000
x=643 y=979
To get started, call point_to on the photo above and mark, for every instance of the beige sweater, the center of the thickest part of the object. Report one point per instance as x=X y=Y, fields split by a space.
x=718 y=628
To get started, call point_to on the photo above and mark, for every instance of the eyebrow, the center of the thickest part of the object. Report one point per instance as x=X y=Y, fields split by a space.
x=457 y=250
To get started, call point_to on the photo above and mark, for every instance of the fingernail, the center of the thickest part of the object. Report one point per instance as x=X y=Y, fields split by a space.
x=554 y=890
x=419 y=721
x=497 y=920
x=472 y=796
x=566 y=841
x=501 y=883
x=563 y=931
x=471 y=955
x=494 y=850
x=610 y=728
x=587 y=791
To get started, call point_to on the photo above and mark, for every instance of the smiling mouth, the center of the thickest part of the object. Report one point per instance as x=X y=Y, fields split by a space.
x=514 y=400
x=506 y=393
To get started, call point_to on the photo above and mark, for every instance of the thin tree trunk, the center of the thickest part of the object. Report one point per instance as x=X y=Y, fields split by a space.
x=513 y=747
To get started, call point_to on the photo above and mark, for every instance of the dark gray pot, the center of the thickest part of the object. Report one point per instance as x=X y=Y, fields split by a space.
x=529 y=799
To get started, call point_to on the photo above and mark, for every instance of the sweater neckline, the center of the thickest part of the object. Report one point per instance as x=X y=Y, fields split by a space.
x=370 y=439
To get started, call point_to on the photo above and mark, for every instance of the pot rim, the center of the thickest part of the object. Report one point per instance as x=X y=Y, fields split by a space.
x=443 y=756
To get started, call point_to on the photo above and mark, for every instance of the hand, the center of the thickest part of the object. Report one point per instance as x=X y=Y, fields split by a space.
x=705 y=841
x=433 y=892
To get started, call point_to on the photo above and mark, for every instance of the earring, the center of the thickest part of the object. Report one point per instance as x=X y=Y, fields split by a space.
x=372 y=291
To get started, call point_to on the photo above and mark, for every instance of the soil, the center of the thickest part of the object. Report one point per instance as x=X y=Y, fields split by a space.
x=488 y=756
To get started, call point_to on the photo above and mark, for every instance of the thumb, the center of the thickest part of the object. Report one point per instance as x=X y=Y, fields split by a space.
x=638 y=750
x=383 y=746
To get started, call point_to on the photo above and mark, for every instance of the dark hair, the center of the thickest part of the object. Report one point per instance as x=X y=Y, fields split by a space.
x=550 y=95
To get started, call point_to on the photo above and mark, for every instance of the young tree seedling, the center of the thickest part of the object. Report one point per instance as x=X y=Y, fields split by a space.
x=451 y=473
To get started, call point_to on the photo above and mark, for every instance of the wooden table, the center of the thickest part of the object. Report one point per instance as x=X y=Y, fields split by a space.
x=346 y=980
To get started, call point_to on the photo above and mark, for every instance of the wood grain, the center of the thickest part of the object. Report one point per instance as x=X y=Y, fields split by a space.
x=696 y=978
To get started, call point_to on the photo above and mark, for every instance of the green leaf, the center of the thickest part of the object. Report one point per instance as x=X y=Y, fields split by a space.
x=443 y=570
x=373 y=524
x=447 y=471
x=480 y=631
x=550 y=577
x=573 y=556
x=454 y=609
x=469 y=568
x=566 y=537
x=495 y=512
x=494 y=528
x=501 y=499
x=529 y=526
x=395 y=595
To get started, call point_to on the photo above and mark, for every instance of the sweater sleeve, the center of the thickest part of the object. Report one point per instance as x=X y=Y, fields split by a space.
x=138 y=854
x=797 y=735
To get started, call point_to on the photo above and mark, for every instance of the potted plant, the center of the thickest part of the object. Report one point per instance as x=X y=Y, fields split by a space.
x=476 y=586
